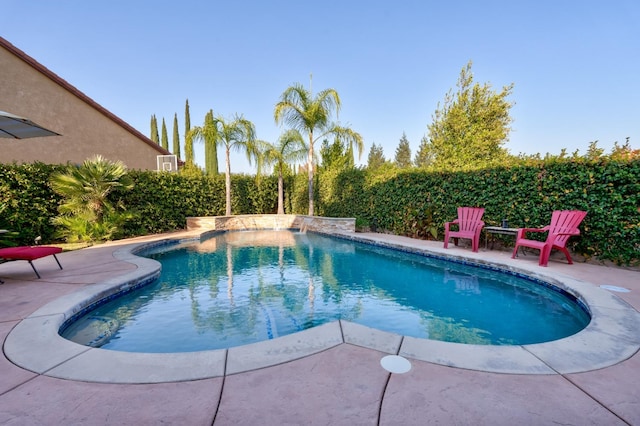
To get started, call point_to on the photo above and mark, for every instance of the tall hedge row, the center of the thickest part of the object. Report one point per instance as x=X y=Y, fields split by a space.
x=407 y=203
x=160 y=202
x=27 y=202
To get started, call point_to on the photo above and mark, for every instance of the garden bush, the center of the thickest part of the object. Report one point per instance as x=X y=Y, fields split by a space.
x=411 y=202
x=414 y=203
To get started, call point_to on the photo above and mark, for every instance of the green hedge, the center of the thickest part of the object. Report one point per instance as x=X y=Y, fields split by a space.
x=160 y=202
x=405 y=203
x=27 y=203
x=525 y=195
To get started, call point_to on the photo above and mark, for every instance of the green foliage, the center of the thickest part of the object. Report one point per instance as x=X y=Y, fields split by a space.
x=27 y=202
x=188 y=150
x=187 y=117
x=424 y=156
x=300 y=110
x=164 y=141
x=300 y=194
x=191 y=169
x=188 y=140
x=154 y=136
x=468 y=132
x=158 y=202
x=86 y=213
x=163 y=201
x=414 y=202
x=290 y=149
x=336 y=155
x=403 y=153
x=410 y=202
x=376 y=157
x=209 y=134
x=82 y=227
x=176 y=136
x=262 y=194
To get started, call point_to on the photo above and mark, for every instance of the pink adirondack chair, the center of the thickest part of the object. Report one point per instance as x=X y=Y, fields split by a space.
x=564 y=224
x=469 y=224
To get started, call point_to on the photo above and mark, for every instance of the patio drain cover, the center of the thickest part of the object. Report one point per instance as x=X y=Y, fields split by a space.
x=395 y=364
x=615 y=288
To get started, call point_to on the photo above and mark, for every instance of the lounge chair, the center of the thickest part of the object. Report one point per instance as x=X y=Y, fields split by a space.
x=29 y=253
x=564 y=224
x=469 y=224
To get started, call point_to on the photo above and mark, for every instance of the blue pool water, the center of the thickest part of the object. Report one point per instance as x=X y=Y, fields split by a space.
x=243 y=287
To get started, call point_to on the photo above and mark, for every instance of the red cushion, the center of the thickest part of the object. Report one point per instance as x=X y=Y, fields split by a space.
x=28 y=253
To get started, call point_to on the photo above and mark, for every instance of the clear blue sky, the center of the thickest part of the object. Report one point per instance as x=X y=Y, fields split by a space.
x=574 y=64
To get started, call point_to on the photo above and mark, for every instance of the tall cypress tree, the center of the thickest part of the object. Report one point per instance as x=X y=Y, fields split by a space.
x=154 y=130
x=210 y=146
x=165 y=137
x=187 y=117
x=176 y=136
x=188 y=139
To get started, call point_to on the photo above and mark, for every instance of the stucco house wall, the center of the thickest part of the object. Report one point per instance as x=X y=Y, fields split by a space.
x=30 y=90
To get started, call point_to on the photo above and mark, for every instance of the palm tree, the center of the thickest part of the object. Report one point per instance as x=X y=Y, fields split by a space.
x=299 y=109
x=86 y=212
x=237 y=134
x=290 y=148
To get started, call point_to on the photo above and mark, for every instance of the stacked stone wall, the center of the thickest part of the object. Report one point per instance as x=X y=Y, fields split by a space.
x=327 y=225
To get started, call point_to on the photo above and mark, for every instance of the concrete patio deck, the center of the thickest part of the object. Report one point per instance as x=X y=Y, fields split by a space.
x=339 y=383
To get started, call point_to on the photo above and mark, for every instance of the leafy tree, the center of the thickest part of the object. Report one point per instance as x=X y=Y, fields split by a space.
x=593 y=152
x=176 y=136
x=290 y=149
x=624 y=152
x=471 y=127
x=376 y=157
x=424 y=156
x=335 y=156
x=86 y=214
x=403 y=153
x=154 y=130
x=165 y=137
x=188 y=141
x=302 y=111
x=237 y=134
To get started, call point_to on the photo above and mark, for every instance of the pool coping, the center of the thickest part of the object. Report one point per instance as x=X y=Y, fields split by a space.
x=34 y=343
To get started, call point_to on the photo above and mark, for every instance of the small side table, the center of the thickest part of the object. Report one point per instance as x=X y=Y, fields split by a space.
x=499 y=230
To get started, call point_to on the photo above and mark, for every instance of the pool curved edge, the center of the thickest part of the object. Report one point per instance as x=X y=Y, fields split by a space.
x=34 y=344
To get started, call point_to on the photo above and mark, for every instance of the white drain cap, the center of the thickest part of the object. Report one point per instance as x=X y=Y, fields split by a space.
x=395 y=364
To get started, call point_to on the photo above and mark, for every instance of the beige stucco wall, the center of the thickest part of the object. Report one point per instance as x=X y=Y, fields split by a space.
x=86 y=131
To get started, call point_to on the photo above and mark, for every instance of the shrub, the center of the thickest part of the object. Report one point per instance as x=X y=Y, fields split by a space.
x=412 y=203
x=86 y=213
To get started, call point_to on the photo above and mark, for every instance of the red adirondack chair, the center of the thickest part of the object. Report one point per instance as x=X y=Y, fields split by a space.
x=564 y=224
x=469 y=224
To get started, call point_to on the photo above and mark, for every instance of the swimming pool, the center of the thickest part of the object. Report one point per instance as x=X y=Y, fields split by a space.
x=35 y=344
x=238 y=288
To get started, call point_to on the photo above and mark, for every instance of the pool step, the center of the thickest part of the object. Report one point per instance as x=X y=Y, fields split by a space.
x=94 y=331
